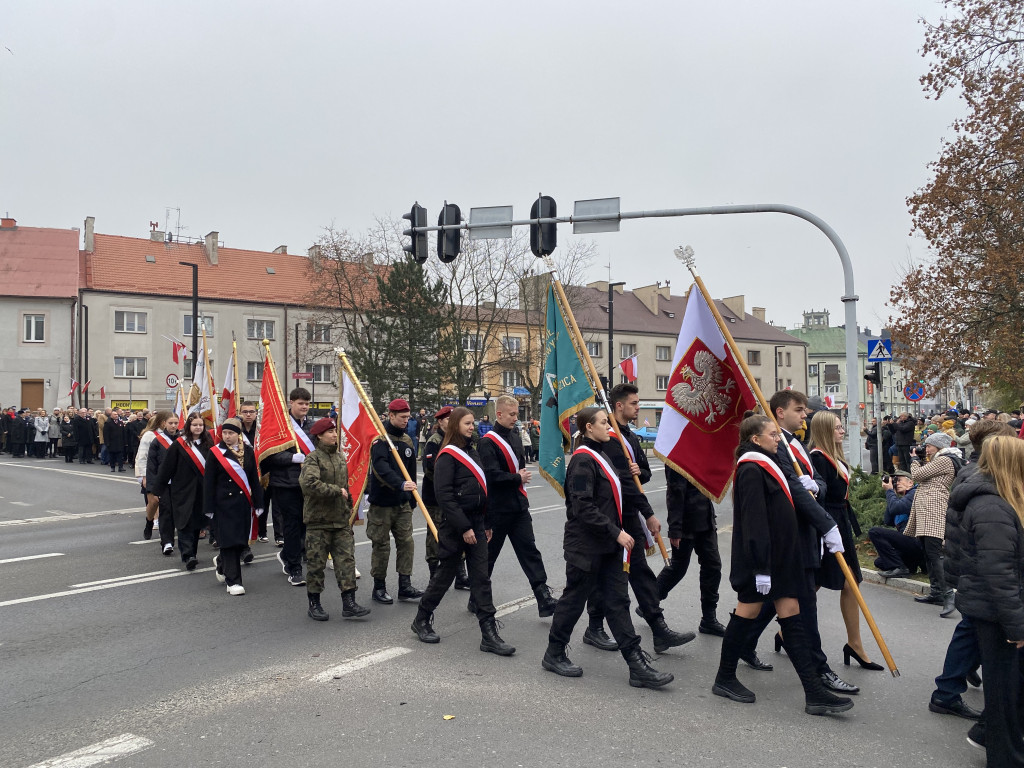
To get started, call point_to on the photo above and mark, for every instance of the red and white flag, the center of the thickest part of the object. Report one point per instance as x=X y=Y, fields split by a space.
x=629 y=368
x=274 y=433
x=356 y=432
x=227 y=408
x=179 y=351
x=74 y=386
x=85 y=387
x=103 y=393
x=707 y=396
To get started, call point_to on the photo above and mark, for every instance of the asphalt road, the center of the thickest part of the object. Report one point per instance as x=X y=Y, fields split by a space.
x=112 y=654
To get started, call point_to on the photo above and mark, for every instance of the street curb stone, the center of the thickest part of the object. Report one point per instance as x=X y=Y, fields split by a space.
x=907 y=585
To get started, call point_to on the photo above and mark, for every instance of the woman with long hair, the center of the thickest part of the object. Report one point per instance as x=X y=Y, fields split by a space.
x=157 y=423
x=990 y=590
x=461 y=491
x=181 y=478
x=826 y=445
x=766 y=566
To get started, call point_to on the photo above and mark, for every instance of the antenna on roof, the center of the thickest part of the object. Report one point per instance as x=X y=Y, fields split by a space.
x=177 y=223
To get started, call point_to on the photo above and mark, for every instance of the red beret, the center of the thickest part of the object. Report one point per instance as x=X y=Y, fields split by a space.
x=398 y=405
x=322 y=426
x=444 y=412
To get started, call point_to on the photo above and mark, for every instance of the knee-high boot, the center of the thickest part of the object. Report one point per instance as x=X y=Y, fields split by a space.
x=819 y=701
x=736 y=640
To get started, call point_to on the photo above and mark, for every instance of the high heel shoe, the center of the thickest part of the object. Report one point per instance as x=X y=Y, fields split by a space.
x=848 y=652
x=779 y=645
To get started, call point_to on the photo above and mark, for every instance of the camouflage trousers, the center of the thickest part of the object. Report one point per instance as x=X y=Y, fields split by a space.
x=431 y=543
x=340 y=544
x=381 y=523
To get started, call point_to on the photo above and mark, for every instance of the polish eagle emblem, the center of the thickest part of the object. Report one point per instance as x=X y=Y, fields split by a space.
x=703 y=389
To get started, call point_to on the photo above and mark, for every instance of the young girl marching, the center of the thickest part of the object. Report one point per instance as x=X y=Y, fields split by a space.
x=181 y=477
x=165 y=431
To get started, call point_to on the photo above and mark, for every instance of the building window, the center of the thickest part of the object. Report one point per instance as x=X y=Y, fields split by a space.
x=812 y=370
x=205 y=321
x=258 y=330
x=189 y=369
x=789 y=383
x=758 y=382
x=627 y=350
x=594 y=348
x=254 y=370
x=813 y=390
x=470 y=342
x=318 y=334
x=35 y=328
x=663 y=353
x=832 y=389
x=832 y=374
x=778 y=357
x=129 y=322
x=753 y=357
x=778 y=385
x=322 y=373
x=789 y=359
x=129 y=367
x=662 y=383
x=623 y=379
x=512 y=344
x=510 y=379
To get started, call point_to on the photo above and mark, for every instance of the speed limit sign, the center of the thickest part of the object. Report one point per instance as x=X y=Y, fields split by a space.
x=172 y=380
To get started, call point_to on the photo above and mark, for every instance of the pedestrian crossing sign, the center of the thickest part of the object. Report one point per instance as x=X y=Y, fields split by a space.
x=879 y=350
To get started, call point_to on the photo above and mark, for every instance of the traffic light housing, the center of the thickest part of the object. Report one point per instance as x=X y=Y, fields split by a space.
x=543 y=237
x=449 y=241
x=418 y=247
x=872 y=374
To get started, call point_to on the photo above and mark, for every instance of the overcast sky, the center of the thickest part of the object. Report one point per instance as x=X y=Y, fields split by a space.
x=268 y=121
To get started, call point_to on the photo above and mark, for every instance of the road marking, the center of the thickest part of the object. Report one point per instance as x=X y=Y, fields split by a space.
x=99 y=753
x=70 y=516
x=19 y=503
x=98 y=475
x=360 y=662
x=514 y=605
x=121 y=578
x=146 y=541
x=31 y=557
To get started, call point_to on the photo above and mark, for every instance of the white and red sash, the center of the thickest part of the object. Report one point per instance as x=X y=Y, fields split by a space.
x=629 y=448
x=648 y=538
x=769 y=466
x=237 y=474
x=801 y=454
x=302 y=442
x=193 y=453
x=467 y=461
x=613 y=480
x=510 y=455
x=161 y=437
x=844 y=473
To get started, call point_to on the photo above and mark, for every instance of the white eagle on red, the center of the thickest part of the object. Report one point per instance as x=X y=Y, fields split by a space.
x=702 y=390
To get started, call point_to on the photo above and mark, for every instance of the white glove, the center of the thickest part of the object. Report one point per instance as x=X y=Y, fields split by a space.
x=764 y=583
x=259 y=512
x=808 y=483
x=834 y=541
x=298 y=458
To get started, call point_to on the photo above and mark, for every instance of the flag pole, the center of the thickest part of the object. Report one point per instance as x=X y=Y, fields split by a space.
x=383 y=433
x=685 y=255
x=595 y=378
x=280 y=392
x=234 y=362
x=209 y=379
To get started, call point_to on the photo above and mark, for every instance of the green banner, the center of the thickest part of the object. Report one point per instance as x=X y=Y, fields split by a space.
x=565 y=391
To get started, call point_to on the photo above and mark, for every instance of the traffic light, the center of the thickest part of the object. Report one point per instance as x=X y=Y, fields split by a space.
x=543 y=237
x=418 y=247
x=449 y=241
x=872 y=374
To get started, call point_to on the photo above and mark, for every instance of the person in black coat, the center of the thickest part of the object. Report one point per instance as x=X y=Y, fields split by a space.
x=133 y=429
x=765 y=567
x=460 y=487
x=84 y=436
x=886 y=438
x=116 y=440
x=990 y=506
x=181 y=478
x=597 y=550
x=68 y=439
x=870 y=434
x=165 y=431
x=903 y=437
x=232 y=505
x=19 y=436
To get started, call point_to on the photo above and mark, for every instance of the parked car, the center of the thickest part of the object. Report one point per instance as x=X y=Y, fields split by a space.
x=646 y=434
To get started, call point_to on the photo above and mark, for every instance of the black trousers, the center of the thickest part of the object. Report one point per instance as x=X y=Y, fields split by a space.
x=873 y=453
x=1004 y=689
x=808 y=601
x=903 y=453
x=644 y=584
x=84 y=453
x=165 y=520
x=230 y=561
x=518 y=529
x=705 y=545
x=288 y=503
x=115 y=457
x=887 y=461
x=479 y=577
x=610 y=582
x=896 y=550
x=69 y=453
x=188 y=540
x=932 y=547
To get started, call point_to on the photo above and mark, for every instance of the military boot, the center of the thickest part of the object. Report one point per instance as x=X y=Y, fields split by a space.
x=316 y=611
x=555 y=660
x=597 y=637
x=641 y=673
x=545 y=601
x=422 y=625
x=490 y=640
x=948 y=604
x=406 y=591
x=380 y=592
x=350 y=609
x=462 y=578
x=665 y=638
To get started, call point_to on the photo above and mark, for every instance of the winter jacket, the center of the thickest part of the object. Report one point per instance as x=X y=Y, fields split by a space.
x=323 y=477
x=283 y=470
x=460 y=496
x=991 y=586
x=180 y=478
x=114 y=435
x=592 y=525
x=225 y=499
x=430 y=449
x=504 y=483
x=897 y=509
x=42 y=425
x=67 y=434
x=903 y=432
x=54 y=430
x=688 y=511
x=385 y=478
x=933 y=480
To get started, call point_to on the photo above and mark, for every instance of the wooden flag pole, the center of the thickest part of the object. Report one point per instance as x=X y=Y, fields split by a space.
x=685 y=254
x=234 y=361
x=383 y=433
x=277 y=383
x=595 y=379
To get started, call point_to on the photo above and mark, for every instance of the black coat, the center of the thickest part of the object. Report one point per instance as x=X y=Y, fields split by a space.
x=903 y=432
x=871 y=440
x=284 y=472
x=813 y=521
x=385 y=477
x=19 y=431
x=84 y=434
x=154 y=460
x=503 y=484
x=592 y=519
x=991 y=586
x=226 y=500
x=953 y=544
x=688 y=510
x=114 y=436
x=633 y=499
x=462 y=501
x=430 y=449
x=68 y=437
x=181 y=479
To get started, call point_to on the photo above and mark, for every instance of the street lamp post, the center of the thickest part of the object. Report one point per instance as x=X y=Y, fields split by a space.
x=195 y=311
x=611 y=332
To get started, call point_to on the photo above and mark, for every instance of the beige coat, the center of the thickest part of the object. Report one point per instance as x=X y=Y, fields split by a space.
x=933 y=480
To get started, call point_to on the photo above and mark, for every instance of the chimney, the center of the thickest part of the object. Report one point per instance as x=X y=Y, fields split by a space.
x=8 y=223
x=737 y=305
x=156 y=236
x=281 y=249
x=210 y=247
x=648 y=296
x=313 y=252
x=90 y=234
x=758 y=313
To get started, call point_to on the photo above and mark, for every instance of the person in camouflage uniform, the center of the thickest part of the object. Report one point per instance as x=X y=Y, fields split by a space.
x=430 y=449
x=326 y=511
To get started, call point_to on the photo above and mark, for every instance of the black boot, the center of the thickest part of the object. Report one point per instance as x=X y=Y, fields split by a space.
x=597 y=637
x=556 y=661
x=545 y=601
x=641 y=673
x=316 y=611
x=490 y=640
x=737 y=637
x=350 y=609
x=937 y=582
x=710 y=625
x=948 y=604
x=819 y=701
x=406 y=591
x=380 y=592
x=462 y=578
x=423 y=626
x=665 y=638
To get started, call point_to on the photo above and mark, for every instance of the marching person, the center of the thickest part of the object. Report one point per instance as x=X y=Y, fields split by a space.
x=181 y=478
x=165 y=431
x=391 y=502
x=460 y=485
x=232 y=498
x=596 y=546
x=247 y=418
x=766 y=567
x=430 y=450
x=285 y=493
x=158 y=422
x=327 y=515
x=504 y=463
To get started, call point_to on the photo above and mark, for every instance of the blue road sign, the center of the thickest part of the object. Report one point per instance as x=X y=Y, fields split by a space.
x=914 y=392
x=879 y=350
x=476 y=402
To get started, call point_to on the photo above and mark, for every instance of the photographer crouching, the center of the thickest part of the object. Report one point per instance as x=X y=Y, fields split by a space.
x=898 y=555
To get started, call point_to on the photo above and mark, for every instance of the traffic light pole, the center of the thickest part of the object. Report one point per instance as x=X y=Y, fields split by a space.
x=849 y=297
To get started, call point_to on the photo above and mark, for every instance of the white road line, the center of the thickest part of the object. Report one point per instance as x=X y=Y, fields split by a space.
x=31 y=557
x=70 y=516
x=19 y=503
x=98 y=475
x=360 y=662
x=146 y=541
x=99 y=753
x=514 y=605
x=122 y=578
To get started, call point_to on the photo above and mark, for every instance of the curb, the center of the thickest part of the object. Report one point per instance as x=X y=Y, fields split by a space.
x=906 y=585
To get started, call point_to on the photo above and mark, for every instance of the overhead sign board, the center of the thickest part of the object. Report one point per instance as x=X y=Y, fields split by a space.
x=879 y=350
x=476 y=402
x=480 y=217
x=601 y=207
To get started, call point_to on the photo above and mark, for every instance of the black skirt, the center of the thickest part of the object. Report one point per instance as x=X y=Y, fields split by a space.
x=830 y=575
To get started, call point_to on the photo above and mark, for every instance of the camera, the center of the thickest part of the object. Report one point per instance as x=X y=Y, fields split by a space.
x=919 y=451
x=886 y=478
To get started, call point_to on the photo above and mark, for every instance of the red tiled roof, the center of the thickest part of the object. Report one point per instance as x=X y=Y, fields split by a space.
x=39 y=262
